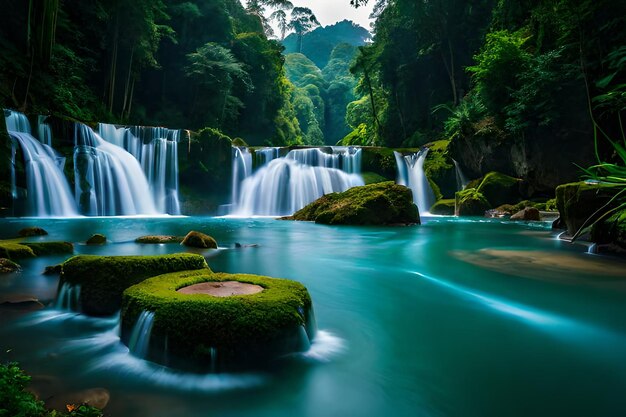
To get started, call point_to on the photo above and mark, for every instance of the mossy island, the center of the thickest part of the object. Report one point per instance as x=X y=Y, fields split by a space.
x=196 y=326
x=376 y=204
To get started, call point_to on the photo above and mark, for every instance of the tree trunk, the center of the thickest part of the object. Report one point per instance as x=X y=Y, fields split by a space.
x=450 y=71
x=127 y=87
x=130 y=101
x=113 y=69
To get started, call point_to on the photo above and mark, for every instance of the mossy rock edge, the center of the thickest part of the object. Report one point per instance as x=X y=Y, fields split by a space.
x=103 y=279
x=202 y=332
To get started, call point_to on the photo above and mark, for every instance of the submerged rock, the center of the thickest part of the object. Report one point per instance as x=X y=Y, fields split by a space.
x=32 y=231
x=199 y=240
x=157 y=239
x=443 y=208
x=216 y=322
x=103 y=279
x=7 y=266
x=528 y=214
x=14 y=249
x=471 y=202
x=52 y=270
x=376 y=204
x=97 y=239
x=94 y=397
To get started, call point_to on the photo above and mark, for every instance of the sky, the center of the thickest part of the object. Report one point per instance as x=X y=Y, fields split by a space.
x=329 y=12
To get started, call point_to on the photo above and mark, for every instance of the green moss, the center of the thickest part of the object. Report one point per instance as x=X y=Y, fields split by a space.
x=240 y=142
x=443 y=207
x=251 y=327
x=500 y=189
x=439 y=169
x=13 y=249
x=97 y=239
x=159 y=239
x=471 y=202
x=103 y=279
x=199 y=240
x=375 y=204
x=50 y=248
x=373 y=178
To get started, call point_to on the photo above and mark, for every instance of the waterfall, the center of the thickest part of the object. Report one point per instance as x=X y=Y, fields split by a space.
x=68 y=298
x=47 y=191
x=109 y=180
x=288 y=184
x=139 y=342
x=411 y=174
x=44 y=131
x=242 y=169
x=265 y=156
x=461 y=179
x=156 y=149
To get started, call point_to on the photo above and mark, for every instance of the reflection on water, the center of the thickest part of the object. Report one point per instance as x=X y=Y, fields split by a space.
x=416 y=321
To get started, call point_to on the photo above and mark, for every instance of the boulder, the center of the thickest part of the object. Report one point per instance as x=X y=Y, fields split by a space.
x=500 y=189
x=376 y=204
x=103 y=279
x=443 y=208
x=217 y=322
x=199 y=240
x=7 y=266
x=578 y=201
x=50 y=248
x=528 y=214
x=471 y=202
x=155 y=240
x=13 y=249
x=611 y=231
x=32 y=231
x=97 y=239
x=52 y=270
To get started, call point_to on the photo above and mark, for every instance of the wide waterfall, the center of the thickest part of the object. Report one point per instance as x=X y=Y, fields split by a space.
x=109 y=180
x=47 y=190
x=156 y=149
x=287 y=184
x=411 y=174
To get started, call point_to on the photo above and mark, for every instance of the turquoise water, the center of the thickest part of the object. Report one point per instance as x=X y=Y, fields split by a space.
x=451 y=318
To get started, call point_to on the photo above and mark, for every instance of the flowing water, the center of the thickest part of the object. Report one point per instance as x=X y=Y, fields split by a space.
x=452 y=318
x=411 y=174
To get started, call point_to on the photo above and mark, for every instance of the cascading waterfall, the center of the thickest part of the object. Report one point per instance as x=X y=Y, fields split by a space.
x=288 y=184
x=68 y=298
x=266 y=155
x=461 y=179
x=48 y=193
x=156 y=149
x=44 y=131
x=411 y=174
x=109 y=180
x=242 y=169
x=139 y=342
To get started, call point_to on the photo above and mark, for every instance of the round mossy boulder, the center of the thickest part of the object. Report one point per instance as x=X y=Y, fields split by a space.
x=199 y=240
x=500 y=189
x=470 y=202
x=527 y=214
x=103 y=279
x=97 y=239
x=375 y=204
x=196 y=330
x=32 y=231
x=443 y=208
x=155 y=240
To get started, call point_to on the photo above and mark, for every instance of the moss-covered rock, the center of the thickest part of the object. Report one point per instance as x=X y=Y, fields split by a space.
x=7 y=266
x=611 y=231
x=376 y=204
x=159 y=239
x=500 y=189
x=199 y=240
x=439 y=169
x=443 y=208
x=471 y=202
x=373 y=178
x=232 y=332
x=97 y=239
x=103 y=279
x=14 y=249
x=32 y=231
x=578 y=201
x=50 y=248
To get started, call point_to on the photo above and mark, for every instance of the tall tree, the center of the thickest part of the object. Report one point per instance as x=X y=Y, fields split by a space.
x=303 y=20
